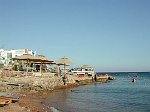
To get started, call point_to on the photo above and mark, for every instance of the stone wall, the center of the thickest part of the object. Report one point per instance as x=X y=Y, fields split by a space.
x=46 y=81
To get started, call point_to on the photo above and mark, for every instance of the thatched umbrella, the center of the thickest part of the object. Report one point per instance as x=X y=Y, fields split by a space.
x=85 y=66
x=64 y=61
x=43 y=60
x=26 y=57
x=23 y=57
x=38 y=58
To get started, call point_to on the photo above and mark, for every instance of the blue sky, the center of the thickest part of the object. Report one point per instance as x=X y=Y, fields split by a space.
x=110 y=35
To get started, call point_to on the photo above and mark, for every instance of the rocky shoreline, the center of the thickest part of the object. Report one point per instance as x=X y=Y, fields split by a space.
x=32 y=89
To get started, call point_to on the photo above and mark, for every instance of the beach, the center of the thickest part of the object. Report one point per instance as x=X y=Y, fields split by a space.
x=33 y=90
x=31 y=101
x=26 y=103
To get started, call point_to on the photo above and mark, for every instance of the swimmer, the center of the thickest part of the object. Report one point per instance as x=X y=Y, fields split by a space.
x=133 y=80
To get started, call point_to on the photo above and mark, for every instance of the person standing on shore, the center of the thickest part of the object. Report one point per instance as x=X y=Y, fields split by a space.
x=95 y=77
x=64 y=79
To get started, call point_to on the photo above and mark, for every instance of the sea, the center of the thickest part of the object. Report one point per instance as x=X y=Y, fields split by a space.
x=119 y=95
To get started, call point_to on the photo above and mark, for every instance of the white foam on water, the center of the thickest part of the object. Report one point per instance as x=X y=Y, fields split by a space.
x=54 y=109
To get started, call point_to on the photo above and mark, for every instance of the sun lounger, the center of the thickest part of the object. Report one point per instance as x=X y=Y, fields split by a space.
x=10 y=98
x=4 y=102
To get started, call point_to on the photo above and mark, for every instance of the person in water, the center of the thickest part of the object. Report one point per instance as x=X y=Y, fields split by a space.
x=133 y=80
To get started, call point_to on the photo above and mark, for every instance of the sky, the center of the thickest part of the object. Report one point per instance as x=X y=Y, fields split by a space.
x=109 y=35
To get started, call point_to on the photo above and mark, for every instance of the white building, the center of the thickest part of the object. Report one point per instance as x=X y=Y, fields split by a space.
x=7 y=55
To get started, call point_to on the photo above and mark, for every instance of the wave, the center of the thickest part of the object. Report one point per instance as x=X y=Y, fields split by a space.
x=53 y=109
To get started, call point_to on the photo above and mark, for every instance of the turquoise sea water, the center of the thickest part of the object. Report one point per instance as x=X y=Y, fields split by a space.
x=120 y=95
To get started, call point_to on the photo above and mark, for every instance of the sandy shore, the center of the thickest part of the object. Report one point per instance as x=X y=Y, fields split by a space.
x=32 y=101
x=28 y=102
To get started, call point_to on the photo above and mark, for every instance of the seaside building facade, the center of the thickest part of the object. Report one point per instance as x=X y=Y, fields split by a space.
x=83 y=71
x=7 y=55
